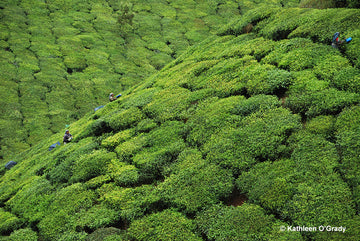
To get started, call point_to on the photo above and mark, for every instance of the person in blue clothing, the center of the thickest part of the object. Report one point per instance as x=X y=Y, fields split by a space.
x=67 y=137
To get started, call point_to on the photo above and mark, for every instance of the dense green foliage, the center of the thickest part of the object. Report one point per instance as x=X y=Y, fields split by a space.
x=261 y=109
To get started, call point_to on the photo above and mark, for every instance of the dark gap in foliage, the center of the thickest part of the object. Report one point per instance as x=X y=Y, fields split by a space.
x=248 y=28
x=236 y=198
x=281 y=34
x=33 y=226
x=86 y=229
x=121 y=224
x=187 y=86
x=100 y=127
x=280 y=93
x=303 y=119
x=40 y=172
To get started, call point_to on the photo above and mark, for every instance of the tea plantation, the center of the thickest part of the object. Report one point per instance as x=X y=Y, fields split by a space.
x=237 y=121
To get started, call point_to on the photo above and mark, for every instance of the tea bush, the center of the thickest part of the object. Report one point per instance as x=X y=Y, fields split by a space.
x=347 y=79
x=65 y=203
x=246 y=222
x=123 y=174
x=163 y=145
x=23 y=234
x=169 y=104
x=91 y=165
x=325 y=102
x=9 y=222
x=131 y=203
x=259 y=137
x=211 y=116
x=124 y=119
x=166 y=225
x=33 y=200
x=195 y=183
x=322 y=125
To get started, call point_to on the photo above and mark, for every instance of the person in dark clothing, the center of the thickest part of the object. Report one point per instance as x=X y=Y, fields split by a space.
x=67 y=137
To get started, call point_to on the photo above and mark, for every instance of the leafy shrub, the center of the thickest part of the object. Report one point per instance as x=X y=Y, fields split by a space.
x=168 y=104
x=145 y=125
x=98 y=216
x=259 y=137
x=125 y=118
x=32 y=201
x=324 y=102
x=132 y=203
x=164 y=144
x=256 y=103
x=322 y=125
x=114 y=140
x=65 y=203
x=23 y=234
x=348 y=120
x=107 y=234
x=91 y=165
x=211 y=116
x=349 y=145
x=195 y=183
x=246 y=222
x=347 y=79
x=140 y=98
x=123 y=174
x=166 y=225
x=128 y=149
x=8 y=222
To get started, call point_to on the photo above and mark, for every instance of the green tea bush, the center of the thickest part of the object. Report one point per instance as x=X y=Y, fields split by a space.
x=348 y=119
x=122 y=173
x=114 y=140
x=169 y=104
x=164 y=144
x=236 y=27
x=124 y=119
x=246 y=222
x=8 y=222
x=322 y=125
x=167 y=225
x=128 y=149
x=276 y=186
x=294 y=187
x=347 y=79
x=98 y=216
x=325 y=102
x=108 y=234
x=132 y=203
x=66 y=202
x=260 y=136
x=348 y=142
x=32 y=201
x=145 y=125
x=211 y=116
x=194 y=183
x=91 y=165
x=23 y=234
x=256 y=103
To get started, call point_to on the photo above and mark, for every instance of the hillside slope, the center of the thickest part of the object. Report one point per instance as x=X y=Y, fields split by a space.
x=265 y=111
x=62 y=58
